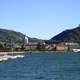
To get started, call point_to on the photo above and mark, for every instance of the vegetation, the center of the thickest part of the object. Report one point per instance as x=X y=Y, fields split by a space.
x=9 y=38
x=1 y=45
x=72 y=35
x=40 y=46
x=16 y=37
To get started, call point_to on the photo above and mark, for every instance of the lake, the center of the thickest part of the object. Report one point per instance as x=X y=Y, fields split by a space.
x=42 y=66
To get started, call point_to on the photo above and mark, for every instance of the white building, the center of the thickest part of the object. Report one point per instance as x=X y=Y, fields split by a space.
x=26 y=40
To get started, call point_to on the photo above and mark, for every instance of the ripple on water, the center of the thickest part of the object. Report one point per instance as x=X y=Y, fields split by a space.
x=49 y=66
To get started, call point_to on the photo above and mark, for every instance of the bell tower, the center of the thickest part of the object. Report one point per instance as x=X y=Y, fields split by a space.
x=26 y=40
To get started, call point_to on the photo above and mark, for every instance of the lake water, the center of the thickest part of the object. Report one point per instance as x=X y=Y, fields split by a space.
x=42 y=66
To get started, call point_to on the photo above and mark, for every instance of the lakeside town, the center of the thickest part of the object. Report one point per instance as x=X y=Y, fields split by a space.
x=39 y=46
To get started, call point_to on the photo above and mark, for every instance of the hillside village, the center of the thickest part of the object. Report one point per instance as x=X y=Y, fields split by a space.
x=35 y=46
x=68 y=40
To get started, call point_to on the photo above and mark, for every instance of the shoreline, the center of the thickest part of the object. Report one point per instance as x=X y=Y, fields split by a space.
x=26 y=52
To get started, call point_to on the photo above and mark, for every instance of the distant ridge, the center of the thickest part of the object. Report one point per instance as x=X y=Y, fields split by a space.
x=15 y=37
x=72 y=35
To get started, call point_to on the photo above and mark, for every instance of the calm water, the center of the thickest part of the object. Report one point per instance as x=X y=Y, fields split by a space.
x=42 y=66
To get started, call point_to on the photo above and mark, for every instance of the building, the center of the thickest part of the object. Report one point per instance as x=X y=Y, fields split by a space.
x=31 y=46
x=72 y=45
x=60 y=46
x=26 y=41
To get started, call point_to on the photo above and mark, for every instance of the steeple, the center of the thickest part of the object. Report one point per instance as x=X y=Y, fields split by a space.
x=26 y=41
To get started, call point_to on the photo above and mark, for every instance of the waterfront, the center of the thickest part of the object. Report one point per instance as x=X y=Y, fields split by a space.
x=49 y=66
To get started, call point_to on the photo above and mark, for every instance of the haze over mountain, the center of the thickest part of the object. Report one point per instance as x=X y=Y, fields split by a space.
x=15 y=37
x=71 y=35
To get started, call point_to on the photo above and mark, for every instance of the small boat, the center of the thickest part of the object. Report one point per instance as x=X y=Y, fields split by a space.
x=76 y=50
x=16 y=56
x=5 y=56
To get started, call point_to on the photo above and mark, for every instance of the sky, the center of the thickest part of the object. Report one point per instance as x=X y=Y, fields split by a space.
x=42 y=19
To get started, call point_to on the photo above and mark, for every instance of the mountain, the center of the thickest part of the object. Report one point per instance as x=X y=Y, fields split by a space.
x=15 y=37
x=72 y=35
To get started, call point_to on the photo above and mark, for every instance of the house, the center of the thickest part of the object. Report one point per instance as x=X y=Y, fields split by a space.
x=72 y=45
x=31 y=46
x=60 y=46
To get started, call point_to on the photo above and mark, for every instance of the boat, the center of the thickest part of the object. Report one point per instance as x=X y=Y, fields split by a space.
x=16 y=56
x=76 y=50
x=5 y=56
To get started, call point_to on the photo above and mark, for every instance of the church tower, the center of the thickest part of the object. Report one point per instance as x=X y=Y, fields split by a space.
x=26 y=40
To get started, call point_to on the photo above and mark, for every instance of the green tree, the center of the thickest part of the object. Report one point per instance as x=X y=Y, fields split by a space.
x=38 y=46
x=1 y=45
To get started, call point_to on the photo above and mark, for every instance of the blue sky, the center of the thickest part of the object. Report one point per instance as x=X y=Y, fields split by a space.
x=39 y=18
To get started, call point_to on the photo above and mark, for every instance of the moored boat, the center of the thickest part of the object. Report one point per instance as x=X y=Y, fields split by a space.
x=76 y=50
x=6 y=56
